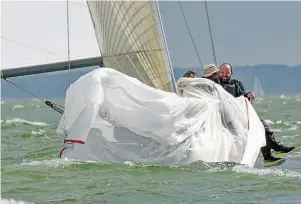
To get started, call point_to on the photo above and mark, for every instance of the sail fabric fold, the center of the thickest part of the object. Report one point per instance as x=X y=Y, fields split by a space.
x=118 y=118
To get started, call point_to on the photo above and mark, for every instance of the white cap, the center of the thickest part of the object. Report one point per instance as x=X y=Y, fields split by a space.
x=210 y=69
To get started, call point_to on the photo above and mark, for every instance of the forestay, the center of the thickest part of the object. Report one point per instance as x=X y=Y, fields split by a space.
x=113 y=118
x=131 y=40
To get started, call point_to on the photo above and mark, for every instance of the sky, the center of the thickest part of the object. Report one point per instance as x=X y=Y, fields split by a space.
x=244 y=33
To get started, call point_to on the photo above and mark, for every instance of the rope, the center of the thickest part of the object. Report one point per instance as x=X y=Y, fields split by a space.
x=79 y=4
x=190 y=35
x=209 y=26
x=52 y=105
x=68 y=36
x=31 y=46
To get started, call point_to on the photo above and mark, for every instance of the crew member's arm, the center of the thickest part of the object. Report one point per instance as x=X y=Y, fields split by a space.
x=241 y=91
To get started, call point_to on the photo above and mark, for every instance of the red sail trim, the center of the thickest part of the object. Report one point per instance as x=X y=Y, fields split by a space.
x=74 y=141
x=62 y=152
x=70 y=141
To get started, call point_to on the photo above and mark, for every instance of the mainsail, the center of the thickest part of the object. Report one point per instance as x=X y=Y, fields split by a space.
x=257 y=88
x=131 y=40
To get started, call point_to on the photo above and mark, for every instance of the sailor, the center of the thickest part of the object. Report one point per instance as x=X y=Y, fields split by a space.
x=190 y=74
x=232 y=86
x=236 y=88
x=211 y=72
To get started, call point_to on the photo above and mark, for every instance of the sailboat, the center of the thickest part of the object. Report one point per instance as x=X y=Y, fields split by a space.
x=130 y=110
x=257 y=88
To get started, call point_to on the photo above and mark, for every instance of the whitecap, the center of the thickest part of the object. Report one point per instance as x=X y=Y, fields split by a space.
x=55 y=163
x=264 y=172
x=13 y=201
x=23 y=121
x=17 y=107
x=35 y=133
x=269 y=122
x=293 y=128
x=276 y=130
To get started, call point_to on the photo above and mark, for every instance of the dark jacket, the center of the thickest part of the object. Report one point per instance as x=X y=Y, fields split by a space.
x=239 y=87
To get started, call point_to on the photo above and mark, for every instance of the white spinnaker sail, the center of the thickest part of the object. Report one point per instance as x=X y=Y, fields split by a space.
x=131 y=40
x=257 y=88
x=113 y=118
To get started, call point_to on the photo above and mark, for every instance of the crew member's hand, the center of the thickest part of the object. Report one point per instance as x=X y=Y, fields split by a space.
x=251 y=96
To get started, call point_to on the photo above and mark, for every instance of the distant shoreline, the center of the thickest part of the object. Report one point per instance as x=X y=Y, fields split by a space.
x=276 y=80
x=63 y=98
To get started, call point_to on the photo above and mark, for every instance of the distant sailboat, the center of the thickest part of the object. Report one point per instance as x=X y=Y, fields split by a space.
x=257 y=88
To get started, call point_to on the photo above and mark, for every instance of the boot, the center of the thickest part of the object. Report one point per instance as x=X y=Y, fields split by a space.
x=273 y=161
x=284 y=149
x=270 y=160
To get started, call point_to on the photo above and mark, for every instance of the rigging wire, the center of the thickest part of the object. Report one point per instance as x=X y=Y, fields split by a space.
x=68 y=36
x=31 y=46
x=209 y=26
x=52 y=105
x=60 y=108
x=190 y=35
x=79 y=4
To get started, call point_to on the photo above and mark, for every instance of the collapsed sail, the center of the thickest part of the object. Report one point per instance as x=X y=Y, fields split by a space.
x=257 y=88
x=113 y=118
x=131 y=40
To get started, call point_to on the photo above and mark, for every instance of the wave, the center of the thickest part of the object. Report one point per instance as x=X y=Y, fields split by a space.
x=287 y=125
x=199 y=166
x=223 y=167
x=259 y=172
x=55 y=163
x=17 y=107
x=12 y=201
x=297 y=97
x=285 y=97
x=35 y=105
x=18 y=121
x=267 y=172
x=37 y=133
x=269 y=122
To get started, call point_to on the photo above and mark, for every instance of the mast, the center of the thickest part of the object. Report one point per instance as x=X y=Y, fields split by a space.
x=174 y=87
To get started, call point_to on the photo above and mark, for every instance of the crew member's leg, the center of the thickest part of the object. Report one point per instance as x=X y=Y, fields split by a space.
x=270 y=138
x=271 y=143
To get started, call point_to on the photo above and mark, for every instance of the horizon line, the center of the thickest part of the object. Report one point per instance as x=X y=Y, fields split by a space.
x=245 y=66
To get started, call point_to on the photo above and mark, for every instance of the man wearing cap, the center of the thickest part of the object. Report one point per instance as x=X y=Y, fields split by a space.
x=237 y=89
x=211 y=72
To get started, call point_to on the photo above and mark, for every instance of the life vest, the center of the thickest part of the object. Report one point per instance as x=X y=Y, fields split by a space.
x=230 y=88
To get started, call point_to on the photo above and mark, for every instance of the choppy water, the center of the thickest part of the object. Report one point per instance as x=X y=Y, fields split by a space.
x=32 y=172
